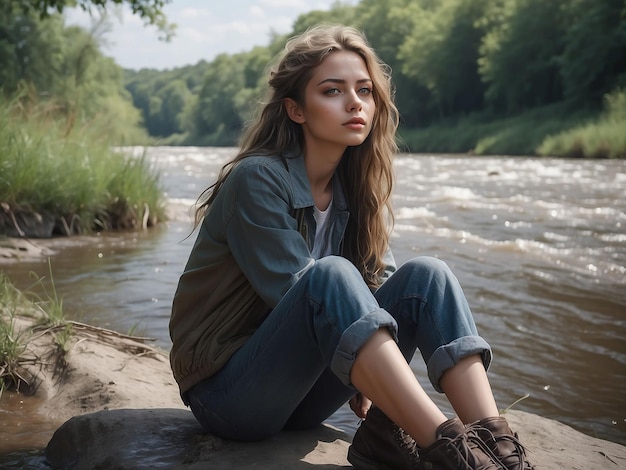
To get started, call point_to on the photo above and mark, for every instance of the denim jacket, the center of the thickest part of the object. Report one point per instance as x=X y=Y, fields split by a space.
x=253 y=245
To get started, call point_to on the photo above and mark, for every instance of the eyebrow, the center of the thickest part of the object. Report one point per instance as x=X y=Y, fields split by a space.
x=342 y=81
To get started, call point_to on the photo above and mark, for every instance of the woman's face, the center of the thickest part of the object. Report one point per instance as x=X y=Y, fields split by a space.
x=338 y=109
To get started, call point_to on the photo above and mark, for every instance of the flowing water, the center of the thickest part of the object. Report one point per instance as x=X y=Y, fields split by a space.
x=539 y=246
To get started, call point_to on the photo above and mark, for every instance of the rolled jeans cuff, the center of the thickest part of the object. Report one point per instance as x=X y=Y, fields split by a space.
x=354 y=337
x=447 y=356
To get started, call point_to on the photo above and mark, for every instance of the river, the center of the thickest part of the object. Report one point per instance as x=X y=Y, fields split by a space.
x=538 y=244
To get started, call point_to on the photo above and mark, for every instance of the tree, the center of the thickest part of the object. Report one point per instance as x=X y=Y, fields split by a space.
x=166 y=96
x=519 y=53
x=441 y=53
x=64 y=71
x=386 y=24
x=175 y=97
x=215 y=114
x=592 y=62
x=151 y=11
x=31 y=51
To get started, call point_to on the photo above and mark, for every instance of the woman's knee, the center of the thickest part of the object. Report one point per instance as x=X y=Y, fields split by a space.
x=428 y=280
x=427 y=267
x=424 y=274
x=334 y=266
x=334 y=273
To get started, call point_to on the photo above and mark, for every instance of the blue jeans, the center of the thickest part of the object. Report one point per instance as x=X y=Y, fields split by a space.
x=294 y=372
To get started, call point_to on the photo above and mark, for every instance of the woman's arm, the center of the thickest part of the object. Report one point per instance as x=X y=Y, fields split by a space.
x=261 y=231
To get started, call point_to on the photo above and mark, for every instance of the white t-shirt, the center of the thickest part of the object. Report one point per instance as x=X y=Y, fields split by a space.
x=321 y=246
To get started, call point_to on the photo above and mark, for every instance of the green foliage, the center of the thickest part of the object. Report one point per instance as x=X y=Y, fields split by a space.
x=47 y=61
x=452 y=60
x=166 y=98
x=12 y=340
x=470 y=75
x=592 y=62
x=602 y=138
x=72 y=175
x=481 y=134
x=387 y=23
x=53 y=318
x=31 y=51
x=47 y=314
x=218 y=115
x=151 y=11
x=442 y=47
x=519 y=52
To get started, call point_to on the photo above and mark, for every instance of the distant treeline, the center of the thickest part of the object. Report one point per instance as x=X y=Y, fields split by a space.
x=483 y=76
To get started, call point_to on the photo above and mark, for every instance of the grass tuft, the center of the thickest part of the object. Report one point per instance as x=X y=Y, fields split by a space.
x=604 y=137
x=49 y=317
x=12 y=341
x=524 y=397
x=70 y=180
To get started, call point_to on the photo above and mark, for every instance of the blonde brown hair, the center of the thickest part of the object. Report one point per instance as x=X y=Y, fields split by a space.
x=365 y=171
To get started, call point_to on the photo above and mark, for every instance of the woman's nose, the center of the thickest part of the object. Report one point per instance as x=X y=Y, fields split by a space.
x=354 y=102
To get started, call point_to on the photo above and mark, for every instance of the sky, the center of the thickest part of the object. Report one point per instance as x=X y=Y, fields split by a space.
x=205 y=28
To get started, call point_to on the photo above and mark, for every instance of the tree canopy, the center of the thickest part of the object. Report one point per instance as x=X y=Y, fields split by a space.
x=450 y=59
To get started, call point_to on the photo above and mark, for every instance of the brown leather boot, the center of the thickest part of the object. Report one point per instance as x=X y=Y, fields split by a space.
x=380 y=444
x=503 y=442
x=457 y=448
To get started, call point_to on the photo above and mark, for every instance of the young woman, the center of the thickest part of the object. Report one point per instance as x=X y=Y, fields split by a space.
x=290 y=303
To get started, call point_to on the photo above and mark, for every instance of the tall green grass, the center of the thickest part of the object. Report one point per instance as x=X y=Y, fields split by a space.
x=70 y=173
x=12 y=341
x=605 y=137
x=46 y=315
x=561 y=130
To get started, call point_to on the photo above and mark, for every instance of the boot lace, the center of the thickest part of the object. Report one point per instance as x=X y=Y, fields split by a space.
x=466 y=448
x=515 y=459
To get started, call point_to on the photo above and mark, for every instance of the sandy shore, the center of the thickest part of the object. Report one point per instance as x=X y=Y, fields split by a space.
x=14 y=250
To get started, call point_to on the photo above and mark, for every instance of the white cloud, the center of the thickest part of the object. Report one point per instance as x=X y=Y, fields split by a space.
x=256 y=11
x=193 y=35
x=202 y=33
x=290 y=4
x=238 y=27
x=194 y=13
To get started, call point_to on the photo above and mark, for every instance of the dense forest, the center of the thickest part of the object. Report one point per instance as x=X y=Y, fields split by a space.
x=482 y=76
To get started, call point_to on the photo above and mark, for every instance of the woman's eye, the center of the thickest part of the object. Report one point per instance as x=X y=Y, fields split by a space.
x=365 y=90
x=332 y=91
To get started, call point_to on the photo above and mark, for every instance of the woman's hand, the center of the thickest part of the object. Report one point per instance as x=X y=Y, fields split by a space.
x=360 y=404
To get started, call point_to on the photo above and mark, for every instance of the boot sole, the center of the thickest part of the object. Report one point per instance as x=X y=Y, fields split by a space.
x=361 y=462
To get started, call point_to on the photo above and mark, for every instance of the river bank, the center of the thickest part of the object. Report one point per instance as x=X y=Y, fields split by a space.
x=558 y=130
x=115 y=394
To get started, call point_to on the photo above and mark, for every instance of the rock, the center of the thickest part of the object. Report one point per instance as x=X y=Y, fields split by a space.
x=552 y=445
x=172 y=438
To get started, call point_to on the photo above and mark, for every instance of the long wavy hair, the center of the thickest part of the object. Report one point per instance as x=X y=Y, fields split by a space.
x=365 y=171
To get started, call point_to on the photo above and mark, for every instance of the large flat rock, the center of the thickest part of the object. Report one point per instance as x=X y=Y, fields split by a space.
x=171 y=438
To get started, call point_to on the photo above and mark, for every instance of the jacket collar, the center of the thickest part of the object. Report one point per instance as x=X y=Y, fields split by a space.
x=302 y=195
